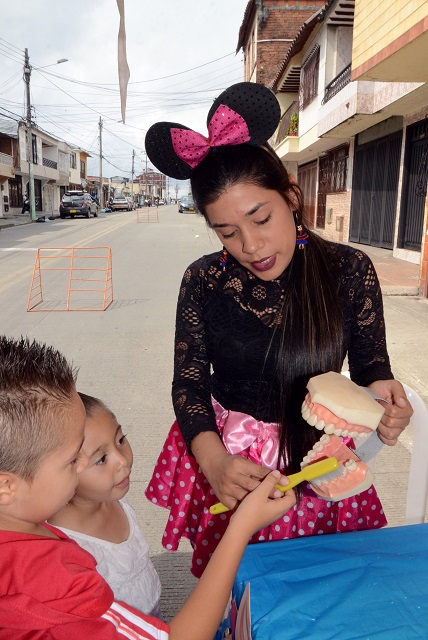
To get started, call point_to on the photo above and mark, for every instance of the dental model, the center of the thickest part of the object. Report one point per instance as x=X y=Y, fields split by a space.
x=338 y=406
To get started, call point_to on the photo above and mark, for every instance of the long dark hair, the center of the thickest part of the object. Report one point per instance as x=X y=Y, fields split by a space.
x=310 y=325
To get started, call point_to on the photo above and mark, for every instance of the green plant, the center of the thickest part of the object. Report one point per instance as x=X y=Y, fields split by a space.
x=293 y=127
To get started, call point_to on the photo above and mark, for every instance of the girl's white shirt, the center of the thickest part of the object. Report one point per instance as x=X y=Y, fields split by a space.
x=126 y=566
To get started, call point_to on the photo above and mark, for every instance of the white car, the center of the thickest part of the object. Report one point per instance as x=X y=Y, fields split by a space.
x=120 y=204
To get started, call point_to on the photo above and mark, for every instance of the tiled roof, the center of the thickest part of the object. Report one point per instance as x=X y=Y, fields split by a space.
x=298 y=43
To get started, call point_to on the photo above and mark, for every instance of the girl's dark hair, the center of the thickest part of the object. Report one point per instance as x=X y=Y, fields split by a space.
x=310 y=324
x=91 y=404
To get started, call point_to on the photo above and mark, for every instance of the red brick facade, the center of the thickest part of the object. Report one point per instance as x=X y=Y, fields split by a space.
x=278 y=22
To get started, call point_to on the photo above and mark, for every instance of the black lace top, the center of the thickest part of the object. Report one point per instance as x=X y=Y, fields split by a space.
x=224 y=328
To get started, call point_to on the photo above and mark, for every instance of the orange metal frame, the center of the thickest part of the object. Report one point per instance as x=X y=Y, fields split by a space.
x=77 y=274
x=148 y=214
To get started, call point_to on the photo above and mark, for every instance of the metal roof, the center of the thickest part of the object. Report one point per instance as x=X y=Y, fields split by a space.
x=9 y=127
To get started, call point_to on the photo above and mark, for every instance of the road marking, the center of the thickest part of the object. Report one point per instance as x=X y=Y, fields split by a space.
x=26 y=272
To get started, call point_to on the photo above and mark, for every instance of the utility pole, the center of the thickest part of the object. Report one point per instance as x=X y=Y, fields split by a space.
x=28 y=136
x=100 y=125
x=132 y=177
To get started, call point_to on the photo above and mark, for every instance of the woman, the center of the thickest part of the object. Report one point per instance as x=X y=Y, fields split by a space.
x=254 y=322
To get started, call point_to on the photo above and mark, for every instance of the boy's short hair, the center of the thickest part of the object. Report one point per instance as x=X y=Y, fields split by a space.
x=36 y=386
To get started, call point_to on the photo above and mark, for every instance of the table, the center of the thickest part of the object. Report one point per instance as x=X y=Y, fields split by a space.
x=370 y=585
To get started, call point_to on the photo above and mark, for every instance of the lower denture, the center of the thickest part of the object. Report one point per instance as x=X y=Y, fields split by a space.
x=356 y=478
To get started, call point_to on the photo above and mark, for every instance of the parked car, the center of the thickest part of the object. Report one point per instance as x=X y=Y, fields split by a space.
x=120 y=204
x=161 y=202
x=186 y=204
x=77 y=203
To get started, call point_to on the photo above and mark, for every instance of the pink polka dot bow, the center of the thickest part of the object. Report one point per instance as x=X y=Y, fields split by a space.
x=225 y=128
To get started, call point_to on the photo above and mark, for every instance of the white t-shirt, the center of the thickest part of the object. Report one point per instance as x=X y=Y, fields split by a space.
x=125 y=566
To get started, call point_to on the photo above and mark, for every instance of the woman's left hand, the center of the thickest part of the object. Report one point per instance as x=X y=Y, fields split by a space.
x=397 y=414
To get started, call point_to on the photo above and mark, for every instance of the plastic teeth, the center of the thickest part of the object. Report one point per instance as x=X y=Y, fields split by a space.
x=341 y=472
x=330 y=428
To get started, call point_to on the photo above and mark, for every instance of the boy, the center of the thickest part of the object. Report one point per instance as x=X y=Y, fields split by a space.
x=49 y=586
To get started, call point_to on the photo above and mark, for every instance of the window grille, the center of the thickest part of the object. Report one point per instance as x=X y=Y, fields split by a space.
x=333 y=170
x=309 y=78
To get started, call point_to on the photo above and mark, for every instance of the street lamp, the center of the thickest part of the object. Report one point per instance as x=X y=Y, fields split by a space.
x=27 y=75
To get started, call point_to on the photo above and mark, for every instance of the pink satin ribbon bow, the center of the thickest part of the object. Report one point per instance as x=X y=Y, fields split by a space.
x=225 y=128
x=241 y=431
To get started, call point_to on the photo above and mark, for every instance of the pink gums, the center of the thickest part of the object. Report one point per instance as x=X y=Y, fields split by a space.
x=359 y=479
x=325 y=414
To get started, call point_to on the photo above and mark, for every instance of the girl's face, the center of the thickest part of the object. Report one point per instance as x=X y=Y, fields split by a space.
x=106 y=478
x=257 y=228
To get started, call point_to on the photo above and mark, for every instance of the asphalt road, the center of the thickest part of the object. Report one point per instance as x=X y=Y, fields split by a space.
x=125 y=354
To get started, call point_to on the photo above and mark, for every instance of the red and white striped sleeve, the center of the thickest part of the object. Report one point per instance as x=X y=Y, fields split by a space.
x=134 y=625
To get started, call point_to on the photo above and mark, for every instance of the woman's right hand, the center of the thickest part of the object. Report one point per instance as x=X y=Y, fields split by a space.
x=231 y=477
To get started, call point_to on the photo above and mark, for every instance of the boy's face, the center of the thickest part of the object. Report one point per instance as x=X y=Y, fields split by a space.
x=56 y=479
x=109 y=455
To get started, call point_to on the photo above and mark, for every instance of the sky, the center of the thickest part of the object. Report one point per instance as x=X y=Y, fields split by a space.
x=181 y=56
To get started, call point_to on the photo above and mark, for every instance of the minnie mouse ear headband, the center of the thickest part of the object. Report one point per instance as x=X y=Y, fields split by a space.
x=245 y=113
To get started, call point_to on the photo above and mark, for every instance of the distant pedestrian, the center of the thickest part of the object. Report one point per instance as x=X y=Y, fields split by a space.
x=26 y=205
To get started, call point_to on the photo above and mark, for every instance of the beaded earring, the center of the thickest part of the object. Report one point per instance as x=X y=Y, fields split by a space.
x=223 y=259
x=302 y=236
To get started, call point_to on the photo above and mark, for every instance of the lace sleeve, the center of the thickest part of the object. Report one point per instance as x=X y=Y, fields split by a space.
x=191 y=387
x=367 y=355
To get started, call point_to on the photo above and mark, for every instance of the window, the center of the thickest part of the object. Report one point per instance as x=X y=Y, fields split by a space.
x=82 y=169
x=309 y=78
x=34 y=147
x=15 y=191
x=333 y=170
x=73 y=161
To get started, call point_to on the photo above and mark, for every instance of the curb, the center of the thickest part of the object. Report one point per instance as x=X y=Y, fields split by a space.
x=397 y=290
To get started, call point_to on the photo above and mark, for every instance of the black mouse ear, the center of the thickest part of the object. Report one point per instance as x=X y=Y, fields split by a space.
x=161 y=152
x=256 y=104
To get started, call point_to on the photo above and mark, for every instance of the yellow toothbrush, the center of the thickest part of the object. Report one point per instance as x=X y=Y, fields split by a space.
x=310 y=472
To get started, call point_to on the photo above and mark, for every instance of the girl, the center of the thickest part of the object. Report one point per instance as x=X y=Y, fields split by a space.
x=254 y=322
x=100 y=519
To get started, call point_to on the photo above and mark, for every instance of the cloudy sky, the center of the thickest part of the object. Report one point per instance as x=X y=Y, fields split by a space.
x=181 y=55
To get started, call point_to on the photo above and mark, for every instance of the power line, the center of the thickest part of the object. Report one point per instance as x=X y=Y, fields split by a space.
x=115 y=84
x=12 y=45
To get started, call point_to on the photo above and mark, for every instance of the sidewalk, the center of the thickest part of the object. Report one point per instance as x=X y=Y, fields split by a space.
x=18 y=219
x=397 y=277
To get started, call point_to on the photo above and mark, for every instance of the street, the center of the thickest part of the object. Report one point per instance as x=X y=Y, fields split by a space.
x=125 y=354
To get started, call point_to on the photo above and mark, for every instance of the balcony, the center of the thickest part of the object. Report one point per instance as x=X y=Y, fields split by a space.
x=337 y=84
x=289 y=124
x=50 y=163
x=6 y=166
x=5 y=159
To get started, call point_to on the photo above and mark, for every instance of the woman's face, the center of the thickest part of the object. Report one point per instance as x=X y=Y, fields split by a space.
x=256 y=227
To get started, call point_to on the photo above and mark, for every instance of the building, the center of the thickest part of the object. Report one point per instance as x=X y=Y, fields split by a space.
x=354 y=122
x=267 y=32
x=57 y=166
x=8 y=155
x=152 y=184
x=390 y=45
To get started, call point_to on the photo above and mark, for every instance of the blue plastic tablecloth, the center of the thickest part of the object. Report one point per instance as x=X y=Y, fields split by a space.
x=367 y=585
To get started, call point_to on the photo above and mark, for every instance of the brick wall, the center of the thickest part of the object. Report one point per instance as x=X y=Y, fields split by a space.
x=340 y=203
x=279 y=20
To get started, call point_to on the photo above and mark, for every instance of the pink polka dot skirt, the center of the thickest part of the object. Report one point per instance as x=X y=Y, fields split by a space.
x=179 y=485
